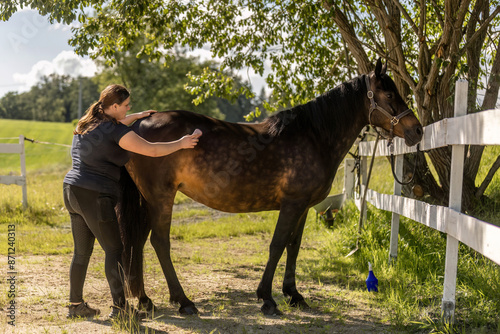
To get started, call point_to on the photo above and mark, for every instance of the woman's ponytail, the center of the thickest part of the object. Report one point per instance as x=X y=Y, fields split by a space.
x=95 y=113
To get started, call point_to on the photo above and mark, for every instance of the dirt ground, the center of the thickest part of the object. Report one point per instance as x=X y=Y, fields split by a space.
x=224 y=295
x=225 y=298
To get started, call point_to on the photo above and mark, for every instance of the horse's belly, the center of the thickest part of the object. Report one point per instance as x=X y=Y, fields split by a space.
x=229 y=199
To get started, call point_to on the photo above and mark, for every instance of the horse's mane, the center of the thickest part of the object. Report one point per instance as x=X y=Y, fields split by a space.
x=324 y=116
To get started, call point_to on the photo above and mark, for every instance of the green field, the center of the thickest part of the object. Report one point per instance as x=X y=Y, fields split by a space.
x=39 y=157
x=410 y=290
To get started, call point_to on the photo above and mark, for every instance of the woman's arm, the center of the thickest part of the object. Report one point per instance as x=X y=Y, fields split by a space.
x=129 y=119
x=134 y=143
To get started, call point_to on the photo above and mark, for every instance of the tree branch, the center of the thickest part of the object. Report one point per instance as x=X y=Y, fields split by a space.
x=349 y=35
x=378 y=48
x=389 y=20
x=487 y=180
x=447 y=50
x=408 y=17
x=481 y=29
x=438 y=14
x=491 y=94
x=424 y=58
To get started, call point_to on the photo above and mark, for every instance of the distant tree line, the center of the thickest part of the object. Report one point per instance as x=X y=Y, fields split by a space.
x=154 y=85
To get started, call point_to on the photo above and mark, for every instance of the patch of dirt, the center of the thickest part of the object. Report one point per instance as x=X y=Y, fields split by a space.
x=224 y=295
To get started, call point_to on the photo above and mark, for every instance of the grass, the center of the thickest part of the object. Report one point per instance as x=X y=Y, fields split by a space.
x=410 y=290
x=39 y=157
x=227 y=227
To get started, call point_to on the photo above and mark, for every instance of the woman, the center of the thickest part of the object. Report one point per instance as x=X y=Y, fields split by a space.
x=100 y=148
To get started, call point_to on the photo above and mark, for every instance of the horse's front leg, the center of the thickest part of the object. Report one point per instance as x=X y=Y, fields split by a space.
x=160 y=239
x=292 y=251
x=287 y=223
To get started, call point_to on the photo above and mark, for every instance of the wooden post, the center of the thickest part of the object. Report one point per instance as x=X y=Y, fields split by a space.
x=393 y=250
x=455 y=199
x=349 y=178
x=23 y=172
x=364 y=176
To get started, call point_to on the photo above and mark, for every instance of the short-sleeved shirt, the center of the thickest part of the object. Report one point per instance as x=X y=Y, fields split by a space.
x=97 y=158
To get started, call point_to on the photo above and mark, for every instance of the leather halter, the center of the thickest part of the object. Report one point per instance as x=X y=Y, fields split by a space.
x=394 y=120
x=374 y=106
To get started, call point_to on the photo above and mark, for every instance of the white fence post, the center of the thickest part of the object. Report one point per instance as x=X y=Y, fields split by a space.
x=398 y=170
x=349 y=165
x=23 y=172
x=19 y=180
x=363 y=175
x=455 y=203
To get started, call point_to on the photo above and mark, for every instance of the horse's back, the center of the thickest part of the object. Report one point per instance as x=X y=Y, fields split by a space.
x=171 y=125
x=235 y=167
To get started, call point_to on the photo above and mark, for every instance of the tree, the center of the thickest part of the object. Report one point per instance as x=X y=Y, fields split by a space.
x=311 y=46
x=164 y=84
x=12 y=106
x=54 y=99
x=157 y=85
x=153 y=85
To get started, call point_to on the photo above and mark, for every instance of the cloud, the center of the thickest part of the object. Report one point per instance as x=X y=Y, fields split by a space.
x=65 y=63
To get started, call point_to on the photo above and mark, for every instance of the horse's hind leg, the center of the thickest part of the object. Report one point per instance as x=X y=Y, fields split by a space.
x=145 y=303
x=160 y=239
x=288 y=221
x=292 y=251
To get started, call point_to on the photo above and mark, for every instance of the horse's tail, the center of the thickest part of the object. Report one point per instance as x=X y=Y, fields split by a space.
x=134 y=228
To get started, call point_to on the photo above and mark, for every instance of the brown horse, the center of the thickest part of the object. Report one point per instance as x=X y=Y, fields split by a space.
x=285 y=163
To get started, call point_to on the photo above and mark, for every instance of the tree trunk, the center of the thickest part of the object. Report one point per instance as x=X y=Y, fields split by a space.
x=424 y=182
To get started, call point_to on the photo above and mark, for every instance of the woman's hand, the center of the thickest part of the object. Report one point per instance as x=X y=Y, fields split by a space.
x=129 y=119
x=145 y=113
x=190 y=141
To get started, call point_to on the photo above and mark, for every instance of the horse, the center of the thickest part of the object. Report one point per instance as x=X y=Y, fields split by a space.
x=286 y=162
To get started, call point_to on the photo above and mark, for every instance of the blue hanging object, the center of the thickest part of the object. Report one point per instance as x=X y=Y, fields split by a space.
x=371 y=281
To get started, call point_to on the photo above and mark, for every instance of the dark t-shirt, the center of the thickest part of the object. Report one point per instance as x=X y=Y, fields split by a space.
x=97 y=158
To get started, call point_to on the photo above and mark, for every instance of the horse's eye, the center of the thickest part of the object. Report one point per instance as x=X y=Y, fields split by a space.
x=389 y=95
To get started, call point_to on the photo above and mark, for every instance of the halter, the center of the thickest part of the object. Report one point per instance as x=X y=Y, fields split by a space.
x=394 y=120
x=374 y=106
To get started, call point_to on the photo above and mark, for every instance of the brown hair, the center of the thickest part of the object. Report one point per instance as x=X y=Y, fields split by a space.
x=95 y=113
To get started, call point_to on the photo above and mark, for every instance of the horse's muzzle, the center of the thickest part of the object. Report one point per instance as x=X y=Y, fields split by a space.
x=414 y=135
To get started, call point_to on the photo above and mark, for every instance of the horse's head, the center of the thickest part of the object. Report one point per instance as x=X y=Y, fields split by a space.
x=388 y=110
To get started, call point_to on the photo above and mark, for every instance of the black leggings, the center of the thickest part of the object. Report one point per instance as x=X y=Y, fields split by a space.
x=93 y=216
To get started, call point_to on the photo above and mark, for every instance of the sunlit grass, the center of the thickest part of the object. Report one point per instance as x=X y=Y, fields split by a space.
x=411 y=289
x=232 y=226
x=38 y=156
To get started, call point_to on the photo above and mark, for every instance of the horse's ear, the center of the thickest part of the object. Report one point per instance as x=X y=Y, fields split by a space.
x=379 y=68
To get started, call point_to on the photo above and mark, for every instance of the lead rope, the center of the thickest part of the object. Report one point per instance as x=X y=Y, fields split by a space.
x=363 y=199
x=391 y=149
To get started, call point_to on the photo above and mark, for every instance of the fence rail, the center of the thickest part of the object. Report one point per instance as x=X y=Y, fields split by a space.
x=481 y=128
x=19 y=180
x=479 y=235
x=474 y=129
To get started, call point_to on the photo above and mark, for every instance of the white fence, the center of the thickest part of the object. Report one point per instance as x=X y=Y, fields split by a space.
x=474 y=129
x=20 y=180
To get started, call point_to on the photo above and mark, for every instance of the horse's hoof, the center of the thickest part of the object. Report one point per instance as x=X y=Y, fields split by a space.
x=270 y=308
x=299 y=303
x=147 y=305
x=188 y=310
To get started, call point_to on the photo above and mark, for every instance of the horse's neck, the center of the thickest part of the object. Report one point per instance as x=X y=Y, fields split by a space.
x=354 y=116
x=354 y=120
x=346 y=138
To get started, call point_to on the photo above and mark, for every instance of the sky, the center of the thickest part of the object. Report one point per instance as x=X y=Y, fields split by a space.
x=31 y=47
